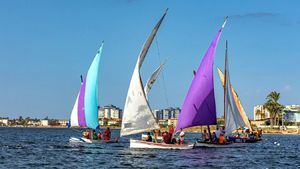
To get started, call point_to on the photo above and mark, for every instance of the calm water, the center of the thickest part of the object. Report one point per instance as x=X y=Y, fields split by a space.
x=49 y=148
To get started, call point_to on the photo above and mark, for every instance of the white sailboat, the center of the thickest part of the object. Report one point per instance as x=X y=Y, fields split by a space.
x=235 y=116
x=137 y=115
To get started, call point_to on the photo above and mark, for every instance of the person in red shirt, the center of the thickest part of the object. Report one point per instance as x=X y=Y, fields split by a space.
x=87 y=134
x=99 y=136
x=166 y=137
x=171 y=130
x=107 y=134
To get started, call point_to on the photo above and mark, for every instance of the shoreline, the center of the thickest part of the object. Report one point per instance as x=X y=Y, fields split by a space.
x=273 y=132
x=58 y=127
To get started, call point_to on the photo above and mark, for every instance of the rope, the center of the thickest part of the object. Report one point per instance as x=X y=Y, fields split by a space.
x=162 y=75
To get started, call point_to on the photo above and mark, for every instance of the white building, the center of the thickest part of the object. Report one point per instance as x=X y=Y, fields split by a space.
x=292 y=113
x=158 y=114
x=3 y=122
x=260 y=113
x=63 y=122
x=165 y=114
x=44 y=123
x=110 y=111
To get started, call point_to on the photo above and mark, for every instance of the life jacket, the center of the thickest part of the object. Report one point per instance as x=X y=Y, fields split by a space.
x=221 y=139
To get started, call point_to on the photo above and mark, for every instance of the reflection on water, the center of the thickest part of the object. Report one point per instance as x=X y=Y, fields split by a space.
x=42 y=148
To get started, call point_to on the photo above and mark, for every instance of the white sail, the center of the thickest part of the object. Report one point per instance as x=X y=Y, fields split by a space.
x=152 y=79
x=233 y=120
x=74 y=116
x=237 y=102
x=137 y=115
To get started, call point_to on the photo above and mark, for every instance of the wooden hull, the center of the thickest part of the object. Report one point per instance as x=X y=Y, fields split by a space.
x=209 y=145
x=151 y=145
x=88 y=141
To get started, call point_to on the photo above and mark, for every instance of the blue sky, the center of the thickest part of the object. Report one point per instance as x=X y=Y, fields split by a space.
x=46 y=45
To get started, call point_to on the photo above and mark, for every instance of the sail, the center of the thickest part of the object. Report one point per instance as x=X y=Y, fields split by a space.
x=152 y=79
x=236 y=101
x=233 y=120
x=137 y=115
x=199 y=106
x=85 y=110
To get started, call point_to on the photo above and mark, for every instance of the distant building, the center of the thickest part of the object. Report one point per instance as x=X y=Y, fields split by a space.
x=170 y=113
x=260 y=113
x=63 y=123
x=34 y=123
x=3 y=121
x=172 y=122
x=163 y=123
x=44 y=123
x=167 y=117
x=158 y=114
x=292 y=113
x=110 y=111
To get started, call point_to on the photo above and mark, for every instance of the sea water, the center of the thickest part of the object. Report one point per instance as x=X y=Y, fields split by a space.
x=50 y=148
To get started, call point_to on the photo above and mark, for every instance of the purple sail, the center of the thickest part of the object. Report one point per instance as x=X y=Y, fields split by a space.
x=81 y=112
x=199 y=107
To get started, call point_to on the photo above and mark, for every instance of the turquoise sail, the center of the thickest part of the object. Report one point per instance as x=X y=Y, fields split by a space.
x=91 y=92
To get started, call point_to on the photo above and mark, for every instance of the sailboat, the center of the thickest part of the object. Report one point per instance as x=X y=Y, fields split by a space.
x=137 y=115
x=199 y=107
x=85 y=109
x=237 y=102
x=234 y=113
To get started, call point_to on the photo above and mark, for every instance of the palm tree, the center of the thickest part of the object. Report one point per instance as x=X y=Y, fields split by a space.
x=273 y=106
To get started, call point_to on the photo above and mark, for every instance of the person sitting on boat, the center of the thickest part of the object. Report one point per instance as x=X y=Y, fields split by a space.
x=107 y=134
x=95 y=136
x=166 y=137
x=259 y=133
x=214 y=137
x=205 y=136
x=149 y=137
x=171 y=130
x=155 y=134
x=252 y=136
x=181 y=137
x=218 y=132
x=221 y=139
x=87 y=134
x=84 y=134
x=99 y=135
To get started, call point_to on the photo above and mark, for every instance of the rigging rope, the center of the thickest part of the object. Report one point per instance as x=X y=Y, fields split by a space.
x=162 y=74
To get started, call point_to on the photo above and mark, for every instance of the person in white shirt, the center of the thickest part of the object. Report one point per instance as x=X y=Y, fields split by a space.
x=181 y=135
x=218 y=132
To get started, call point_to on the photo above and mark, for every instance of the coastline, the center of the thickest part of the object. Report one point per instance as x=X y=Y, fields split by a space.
x=188 y=130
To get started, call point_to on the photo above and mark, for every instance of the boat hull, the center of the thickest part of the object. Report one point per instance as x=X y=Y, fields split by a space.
x=209 y=145
x=150 y=145
x=89 y=141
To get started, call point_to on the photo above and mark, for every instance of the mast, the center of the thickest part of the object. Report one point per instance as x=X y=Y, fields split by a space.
x=225 y=82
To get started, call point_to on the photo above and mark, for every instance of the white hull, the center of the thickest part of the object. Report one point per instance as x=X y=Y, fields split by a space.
x=151 y=145
x=209 y=145
x=89 y=141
